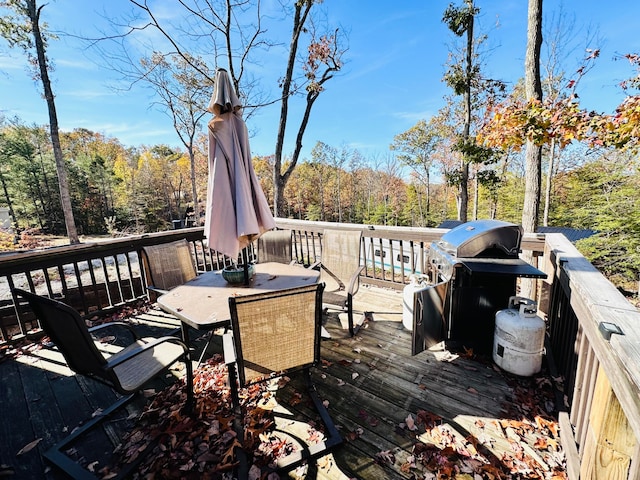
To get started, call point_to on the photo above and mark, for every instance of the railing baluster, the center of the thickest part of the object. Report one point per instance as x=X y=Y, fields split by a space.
x=63 y=281
x=401 y=260
x=47 y=280
x=127 y=257
x=32 y=286
x=21 y=322
x=105 y=273
x=80 y=287
x=94 y=284
x=119 y=278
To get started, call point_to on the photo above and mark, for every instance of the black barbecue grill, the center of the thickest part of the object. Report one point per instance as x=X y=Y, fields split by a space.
x=473 y=271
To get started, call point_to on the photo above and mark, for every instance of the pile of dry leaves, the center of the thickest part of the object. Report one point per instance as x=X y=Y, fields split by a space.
x=202 y=445
x=528 y=431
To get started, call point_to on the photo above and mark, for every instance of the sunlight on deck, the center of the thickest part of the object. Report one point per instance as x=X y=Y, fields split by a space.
x=46 y=359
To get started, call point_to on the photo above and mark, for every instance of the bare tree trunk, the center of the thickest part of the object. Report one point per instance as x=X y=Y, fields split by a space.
x=533 y=87
x=332 y=64
x=425 y=216
x=7 y=199
x=65 y=197
x=279 y=182
x=533 y=154
x=464 y=171
x=547 y=188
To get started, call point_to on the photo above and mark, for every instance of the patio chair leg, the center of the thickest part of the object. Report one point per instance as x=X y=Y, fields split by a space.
x=185 y=334
x=56 y=455
x=204 y=350
x=332 y=434
x=188 y=407
x=349 y=306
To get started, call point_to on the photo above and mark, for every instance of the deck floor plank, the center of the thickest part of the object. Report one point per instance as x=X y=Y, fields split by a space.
x=16 y=429
x=43 y=410
x=371 y=383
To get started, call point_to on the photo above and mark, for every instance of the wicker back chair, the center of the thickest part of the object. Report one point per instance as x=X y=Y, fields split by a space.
x=168 y=265
x=278 y=333
x=126 y=371
x=340 y=269
x=275 y=246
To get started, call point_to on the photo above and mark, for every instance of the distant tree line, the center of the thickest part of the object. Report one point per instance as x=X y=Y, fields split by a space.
x=119 y=190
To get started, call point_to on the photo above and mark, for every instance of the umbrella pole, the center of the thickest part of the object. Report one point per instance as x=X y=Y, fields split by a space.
x=245 y=266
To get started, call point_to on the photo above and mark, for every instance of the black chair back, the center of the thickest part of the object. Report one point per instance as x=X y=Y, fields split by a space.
x=69 y=332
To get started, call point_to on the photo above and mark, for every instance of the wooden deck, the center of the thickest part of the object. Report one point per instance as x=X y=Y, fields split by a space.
x=467 y=413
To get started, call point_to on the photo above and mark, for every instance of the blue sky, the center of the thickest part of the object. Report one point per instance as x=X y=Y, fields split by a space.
x=391 y=79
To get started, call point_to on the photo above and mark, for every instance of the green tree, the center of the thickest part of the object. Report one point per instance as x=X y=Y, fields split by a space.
x=603 y=195
x=184 y=93
x=415 y=148
x=26 y=154
x=465 y=78
x=460 y=78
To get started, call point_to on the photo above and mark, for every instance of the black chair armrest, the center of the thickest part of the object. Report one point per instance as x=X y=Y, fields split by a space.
x=159 y=291
x=124 y=325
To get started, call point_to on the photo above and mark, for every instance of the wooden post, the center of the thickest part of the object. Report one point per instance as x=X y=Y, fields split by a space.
x=610 y=443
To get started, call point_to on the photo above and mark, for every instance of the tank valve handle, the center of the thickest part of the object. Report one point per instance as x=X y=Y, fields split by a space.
x=527 y=307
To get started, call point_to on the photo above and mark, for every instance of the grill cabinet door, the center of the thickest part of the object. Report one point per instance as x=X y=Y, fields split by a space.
x=428 y=317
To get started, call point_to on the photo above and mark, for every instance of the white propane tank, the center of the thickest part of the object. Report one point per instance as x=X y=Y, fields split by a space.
x=416 y=282
x=518 y=342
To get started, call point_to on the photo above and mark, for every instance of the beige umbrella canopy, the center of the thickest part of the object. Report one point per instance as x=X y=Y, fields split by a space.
x=237 y=211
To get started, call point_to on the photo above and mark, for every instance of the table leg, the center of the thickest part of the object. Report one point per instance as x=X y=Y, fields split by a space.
x=185 y=334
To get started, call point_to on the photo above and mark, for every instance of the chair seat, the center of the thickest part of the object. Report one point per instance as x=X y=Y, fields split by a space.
x=134 y=373
x=331 y=285
x=336 y=298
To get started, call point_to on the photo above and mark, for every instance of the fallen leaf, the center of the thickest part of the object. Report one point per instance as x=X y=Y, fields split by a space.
x=96 y=413
x=387 y=456
x=107 y=339
x=28 y=447
x=410 y=423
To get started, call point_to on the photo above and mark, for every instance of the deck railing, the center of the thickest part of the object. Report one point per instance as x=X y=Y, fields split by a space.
x=599 y=374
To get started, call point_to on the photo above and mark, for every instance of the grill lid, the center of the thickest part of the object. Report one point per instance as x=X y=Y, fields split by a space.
x=483 y=238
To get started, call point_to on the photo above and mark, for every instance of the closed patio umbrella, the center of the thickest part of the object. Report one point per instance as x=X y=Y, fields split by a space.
x=237 y=211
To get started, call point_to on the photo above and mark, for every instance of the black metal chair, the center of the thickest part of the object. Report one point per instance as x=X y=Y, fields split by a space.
x=126 y=371
x=278 y=333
